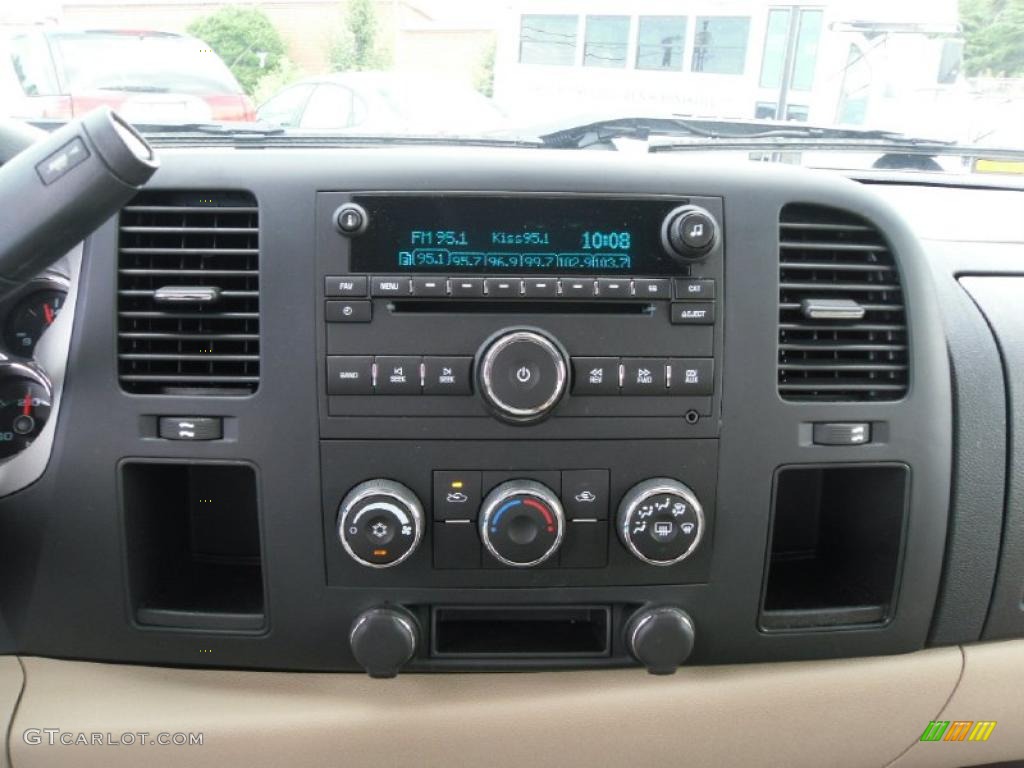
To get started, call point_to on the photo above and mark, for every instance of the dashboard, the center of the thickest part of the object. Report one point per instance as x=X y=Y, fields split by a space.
x=416 y=409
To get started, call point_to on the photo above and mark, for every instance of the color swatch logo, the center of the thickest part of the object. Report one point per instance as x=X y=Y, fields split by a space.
x=958 y=730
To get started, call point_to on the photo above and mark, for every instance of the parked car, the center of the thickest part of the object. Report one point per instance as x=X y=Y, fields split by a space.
x=383 y=102
x=147 y=76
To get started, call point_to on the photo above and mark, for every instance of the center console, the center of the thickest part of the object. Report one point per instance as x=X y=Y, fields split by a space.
x=531 y=380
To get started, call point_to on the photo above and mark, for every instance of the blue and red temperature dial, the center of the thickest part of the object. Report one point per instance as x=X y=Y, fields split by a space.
x=522 y=523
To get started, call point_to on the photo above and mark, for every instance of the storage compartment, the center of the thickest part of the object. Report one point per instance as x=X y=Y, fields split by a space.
x=836 y=541
x=193 y=545
x=521 y=632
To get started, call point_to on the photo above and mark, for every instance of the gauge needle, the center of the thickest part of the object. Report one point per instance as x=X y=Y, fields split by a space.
x=48 y=314
x=27 y=408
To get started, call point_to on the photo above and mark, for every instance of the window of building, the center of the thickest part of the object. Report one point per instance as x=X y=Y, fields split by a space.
x=546 y=39
x=606 y=41
x=806 y=59
x=660 y=42
x=720 y=44
x=774 y=60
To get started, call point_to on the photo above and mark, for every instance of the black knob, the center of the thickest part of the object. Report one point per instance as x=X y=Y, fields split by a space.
x=351 y=219
x=380 y=523
x=522 y=375
x=660 y=638
x=383 y=640
x=522 y=523
x=689 y=233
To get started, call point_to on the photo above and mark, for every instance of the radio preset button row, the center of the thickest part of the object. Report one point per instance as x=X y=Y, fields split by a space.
x=398 y=375
x=650 y=288
x=685 y=377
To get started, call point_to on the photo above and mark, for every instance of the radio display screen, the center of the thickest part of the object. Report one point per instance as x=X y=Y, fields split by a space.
x=521 y=234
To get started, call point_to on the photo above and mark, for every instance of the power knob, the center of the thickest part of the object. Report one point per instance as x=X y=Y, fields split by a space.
x=689 y=233
x=522 y=375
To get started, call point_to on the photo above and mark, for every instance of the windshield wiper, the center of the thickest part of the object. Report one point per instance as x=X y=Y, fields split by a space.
x=705 y=131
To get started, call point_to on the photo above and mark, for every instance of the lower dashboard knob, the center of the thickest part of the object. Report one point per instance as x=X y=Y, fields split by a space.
x=660 y=638
x=522 y=375
x=522 y=523
x=380 y=523
x=383 y=640
x=660 y=521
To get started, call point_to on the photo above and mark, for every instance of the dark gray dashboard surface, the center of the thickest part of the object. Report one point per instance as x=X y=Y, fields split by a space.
x=62 y=578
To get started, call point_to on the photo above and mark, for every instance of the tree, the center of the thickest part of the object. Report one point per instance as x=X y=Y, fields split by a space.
x=484 y=81
x=993 y=37
x=356 y=46
x=245 y=39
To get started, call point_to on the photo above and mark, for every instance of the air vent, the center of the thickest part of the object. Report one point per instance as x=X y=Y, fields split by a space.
x=842 y=324
x=188 y=294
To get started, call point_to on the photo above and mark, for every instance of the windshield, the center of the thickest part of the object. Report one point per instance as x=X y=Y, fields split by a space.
x=941 y=70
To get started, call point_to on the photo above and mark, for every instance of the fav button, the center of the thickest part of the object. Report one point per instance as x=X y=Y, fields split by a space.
x=345 y=285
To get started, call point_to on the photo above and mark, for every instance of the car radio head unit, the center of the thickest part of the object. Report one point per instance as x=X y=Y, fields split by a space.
x=467 y=234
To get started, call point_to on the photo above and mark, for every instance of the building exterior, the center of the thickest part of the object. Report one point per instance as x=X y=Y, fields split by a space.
x=857 y=62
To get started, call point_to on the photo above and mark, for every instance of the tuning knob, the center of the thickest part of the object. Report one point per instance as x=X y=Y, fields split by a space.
x=383 y=640
x=380 y=523
x=660 y=521
x=689 y=233
x=660 y=638
x=522 y=375
x=522 y=523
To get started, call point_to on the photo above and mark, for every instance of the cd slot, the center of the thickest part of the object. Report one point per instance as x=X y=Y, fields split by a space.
x=519 y=307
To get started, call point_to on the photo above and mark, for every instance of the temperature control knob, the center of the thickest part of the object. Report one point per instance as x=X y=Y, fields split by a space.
x=380 y=523
x=660 y=638
x=689 y=232
x=522 y=375
x=660 y=521
x=522 y=523
x=383 y=640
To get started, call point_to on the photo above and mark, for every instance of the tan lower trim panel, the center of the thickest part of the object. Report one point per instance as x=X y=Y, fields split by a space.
x=860 y=712
x=992 y=689
x=11 y=680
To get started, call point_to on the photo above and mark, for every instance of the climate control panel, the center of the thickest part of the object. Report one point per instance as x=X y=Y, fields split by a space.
x=622 y=512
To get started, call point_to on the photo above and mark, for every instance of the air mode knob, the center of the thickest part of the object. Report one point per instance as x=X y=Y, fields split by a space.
x=380 y=523
x=522 y=523
x=689 y=233
x=383 y=640
x=660 y=521
x=522 y=375
x=660 y=638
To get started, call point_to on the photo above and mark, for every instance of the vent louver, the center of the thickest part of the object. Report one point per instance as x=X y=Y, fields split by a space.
x=188 y=294
x=842 y=323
